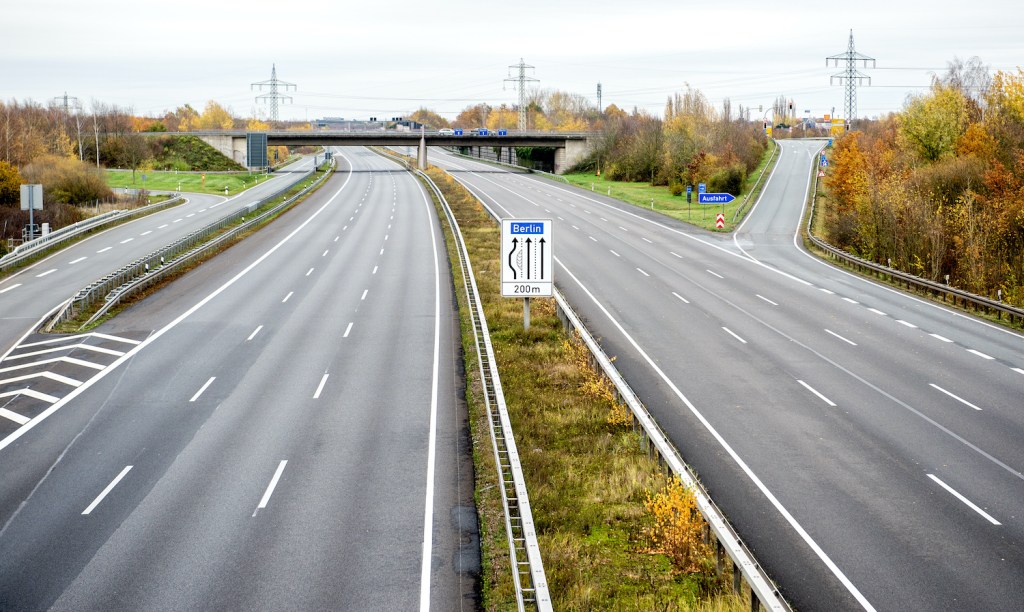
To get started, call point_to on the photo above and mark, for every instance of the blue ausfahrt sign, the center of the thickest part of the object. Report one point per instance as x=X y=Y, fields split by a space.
x=715 y=198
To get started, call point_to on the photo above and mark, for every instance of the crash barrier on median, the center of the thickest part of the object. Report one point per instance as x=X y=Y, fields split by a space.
x=528 y=568
x=65 y=234
x=154 y=267
x=727 y=543
x=957 y=297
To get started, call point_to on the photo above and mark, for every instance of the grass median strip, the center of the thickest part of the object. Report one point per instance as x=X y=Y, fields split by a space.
x=614 y=531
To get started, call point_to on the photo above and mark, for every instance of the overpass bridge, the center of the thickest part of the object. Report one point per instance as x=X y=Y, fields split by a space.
x=570 y=147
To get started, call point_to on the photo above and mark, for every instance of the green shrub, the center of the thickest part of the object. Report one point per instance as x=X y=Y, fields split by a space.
x=728 y=180
x=676 y=188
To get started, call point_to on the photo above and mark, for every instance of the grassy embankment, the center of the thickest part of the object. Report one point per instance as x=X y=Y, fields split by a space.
x=191 y=182
x=74 y=325
x=588 y=474
x=641 y=194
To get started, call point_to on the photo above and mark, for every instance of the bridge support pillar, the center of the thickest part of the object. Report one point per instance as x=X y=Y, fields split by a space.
x=421 y=157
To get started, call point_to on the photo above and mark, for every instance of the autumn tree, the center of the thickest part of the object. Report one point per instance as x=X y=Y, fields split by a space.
x=429 y=118
x=215 y=117
x=10 y=185
x=934 y=122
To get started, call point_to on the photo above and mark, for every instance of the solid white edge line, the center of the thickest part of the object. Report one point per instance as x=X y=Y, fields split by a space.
x=954 y=396
x=428 y=506
x=203 y=388
x=967 y=502
x=39 y=418
x=254 y=332
x=273 y=485
x=320 y=387
x=850 y=342
x=733 y=334
x=106 y=491
x=815 y=391
x=806 y=537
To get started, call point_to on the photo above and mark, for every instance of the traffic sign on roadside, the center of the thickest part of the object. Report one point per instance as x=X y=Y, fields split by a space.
x=715 y=198
x=702 y=188
x=720 y=221
x=821 y=173
x=526 y=269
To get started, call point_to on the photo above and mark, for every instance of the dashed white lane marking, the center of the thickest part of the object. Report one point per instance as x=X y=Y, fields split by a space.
x=203 y=388
x=146 y=233
x=104 y=250
x=202 y=210
x=106 y=491
x=980 y=354
x=336 y=238
x=310 y=271
x=347 y=330
x=967 y=502
x=177 y=221
x=766 y=299
x=190 y=215
x=954 y=396
x=676 y=254
x=592 y=238
x=344 y=228
x=733 y=334
x=815 y=391
x=685 y=301
x=162 y=226
x=938 y=337
x=290 y=293
x=254 y=332
x=642 y=272
x=826 y=291
x=850 y=342
x=614 y=253
x=365 y=291
x=846 y=299
x=270 y=487
x=47 y=273
x=623 y=229
x=646 y=240
x=375 y=269
x=320 y=387
x=127 y=240
x=325 y=253
x=74 y=261
x=603 y=219
x=906 y=323
x=1018 y=370
x=576 y=227
x=381 y=252
x=561 y=219
x=878 y=312
x=587 y=211
x=714 y=274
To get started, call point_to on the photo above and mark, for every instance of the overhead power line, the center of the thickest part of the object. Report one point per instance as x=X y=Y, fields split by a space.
x=850 y=77
x=520 y=82
x=275 y=95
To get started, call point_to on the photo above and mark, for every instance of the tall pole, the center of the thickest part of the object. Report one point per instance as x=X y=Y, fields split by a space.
x=600 y=108
x=71 y=102
x=520 y=82
x=275 y=86
x=850 y=77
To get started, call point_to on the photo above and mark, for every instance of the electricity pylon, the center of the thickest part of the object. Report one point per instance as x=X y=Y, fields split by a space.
x=275 y=94
x=520 y=83
x=850 y=77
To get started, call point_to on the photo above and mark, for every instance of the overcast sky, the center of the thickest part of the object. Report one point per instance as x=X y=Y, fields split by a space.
x=357 y=59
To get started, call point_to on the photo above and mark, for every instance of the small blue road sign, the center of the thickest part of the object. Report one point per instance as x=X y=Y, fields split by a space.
x=702 y=188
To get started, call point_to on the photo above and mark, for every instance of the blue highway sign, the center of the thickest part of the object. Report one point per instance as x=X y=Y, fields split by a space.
x=715 y=198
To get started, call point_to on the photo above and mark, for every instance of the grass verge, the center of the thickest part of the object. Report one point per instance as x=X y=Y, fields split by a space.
x=702 y=215
x=75 y=325
x=192 y=182
x=588 y=475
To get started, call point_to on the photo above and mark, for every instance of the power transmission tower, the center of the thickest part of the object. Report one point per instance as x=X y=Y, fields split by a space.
x=71 y=102
x=520 y=83
x=599 y=107
x=850 y=77
x=275 y=94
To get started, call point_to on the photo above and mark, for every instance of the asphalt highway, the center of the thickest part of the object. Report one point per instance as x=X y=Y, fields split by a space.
x=29 y=294
x=865 y=443
x=280 y=428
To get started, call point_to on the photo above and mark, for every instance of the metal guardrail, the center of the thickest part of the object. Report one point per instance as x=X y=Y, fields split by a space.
x=957 y=296
x=746 y=200
x=528 y=572
x=155 y=266
x=33 y=248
